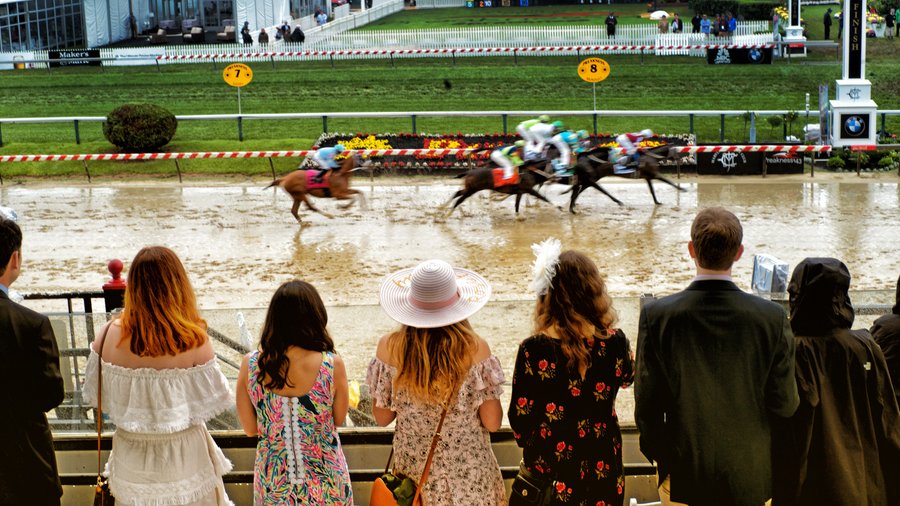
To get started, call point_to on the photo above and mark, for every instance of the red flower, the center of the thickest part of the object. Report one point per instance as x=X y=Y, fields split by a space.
x=600 y=386
x=551 y=407
x=543 y=433
x=521 y=402
x=575 y=391
x=581 y=433
x=542 y=365
x=560 y=446
x=552 y=366
x=600 y=465
x=560 y=486
x=561 y=409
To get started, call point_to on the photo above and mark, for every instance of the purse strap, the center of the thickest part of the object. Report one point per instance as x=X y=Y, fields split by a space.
x=100 y=399
x=434 y=442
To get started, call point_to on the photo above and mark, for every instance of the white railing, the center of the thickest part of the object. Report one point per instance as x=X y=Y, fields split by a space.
x=439 y=4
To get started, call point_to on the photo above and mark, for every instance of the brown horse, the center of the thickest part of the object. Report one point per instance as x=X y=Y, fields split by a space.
x=338 y=187
x=591 y=168
x=482 y=178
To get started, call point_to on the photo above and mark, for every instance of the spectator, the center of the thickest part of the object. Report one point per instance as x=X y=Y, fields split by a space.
x=161 y=383
x=565 y=384
x=297 y=35
x=263 y=37
x=840 y=25
x=677 y=25
x=611 y=23
x=663 y=24
x=842 y=446
x=826 y=23
x=32 y=385
x=705 y=25
x=435 y=357
x=696 y=22
x=732 y=23
x=889 y=19
x=886 y=332
x=321 y=18
x=296 y=380
x=776 y=21
x=246 y=38
x=722 y=26
x=713 y=363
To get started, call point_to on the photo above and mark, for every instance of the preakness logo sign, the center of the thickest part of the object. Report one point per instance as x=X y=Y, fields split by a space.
x=729 y=161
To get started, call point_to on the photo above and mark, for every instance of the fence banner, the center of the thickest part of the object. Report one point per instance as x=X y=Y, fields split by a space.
x=730 y=56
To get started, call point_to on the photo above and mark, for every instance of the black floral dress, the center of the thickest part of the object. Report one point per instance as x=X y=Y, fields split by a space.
x=567 y=426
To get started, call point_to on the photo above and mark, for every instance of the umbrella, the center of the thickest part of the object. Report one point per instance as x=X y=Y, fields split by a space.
x=659 y=14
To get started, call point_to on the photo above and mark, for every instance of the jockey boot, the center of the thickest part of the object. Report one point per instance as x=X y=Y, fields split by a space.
x=319 y=176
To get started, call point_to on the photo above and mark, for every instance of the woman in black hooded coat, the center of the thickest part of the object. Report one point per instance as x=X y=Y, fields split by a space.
x=842 y=446
x=886 y=331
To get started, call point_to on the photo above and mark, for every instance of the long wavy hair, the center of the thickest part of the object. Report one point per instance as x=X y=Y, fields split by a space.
x=432 y=362
x=160 y=315
x=296 y=317
x=577 y=298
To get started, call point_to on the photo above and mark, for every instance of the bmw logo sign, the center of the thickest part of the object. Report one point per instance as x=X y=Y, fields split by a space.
x=854 y=125
x=756 y=55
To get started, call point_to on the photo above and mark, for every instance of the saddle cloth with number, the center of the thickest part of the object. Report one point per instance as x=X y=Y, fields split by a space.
x=312 y=184
x=500 y=181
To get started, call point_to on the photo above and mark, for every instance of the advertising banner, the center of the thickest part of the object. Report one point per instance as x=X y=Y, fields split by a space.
x=748 y=164
x=69 y=58
x=724 y=56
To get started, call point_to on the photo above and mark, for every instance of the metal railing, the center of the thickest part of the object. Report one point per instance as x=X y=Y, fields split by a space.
x=503 y=116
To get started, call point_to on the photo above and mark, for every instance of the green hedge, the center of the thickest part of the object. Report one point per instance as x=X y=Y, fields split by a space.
x=140 y=127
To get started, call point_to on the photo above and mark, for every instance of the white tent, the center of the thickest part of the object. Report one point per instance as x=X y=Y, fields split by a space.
x=106 y=21
x=262 y=13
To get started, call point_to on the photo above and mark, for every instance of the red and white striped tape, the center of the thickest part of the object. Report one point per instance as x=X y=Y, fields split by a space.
x=766 y=148
x=222 y=154
x=464 y=50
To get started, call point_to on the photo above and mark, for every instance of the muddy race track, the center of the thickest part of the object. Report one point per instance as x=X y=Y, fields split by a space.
x=239 y=241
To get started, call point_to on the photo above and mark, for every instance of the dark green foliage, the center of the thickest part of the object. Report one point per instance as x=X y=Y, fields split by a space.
x=750 y=10
x=140 y=127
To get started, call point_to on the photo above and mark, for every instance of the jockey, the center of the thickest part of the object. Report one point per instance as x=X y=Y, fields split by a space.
x=524 y=128
x=508 y=158
x=542 y=133
x=324 y=158
x=630 y=142
x=566 y=143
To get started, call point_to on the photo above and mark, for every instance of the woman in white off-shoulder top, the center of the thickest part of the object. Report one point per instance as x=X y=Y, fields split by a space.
x=161 y=383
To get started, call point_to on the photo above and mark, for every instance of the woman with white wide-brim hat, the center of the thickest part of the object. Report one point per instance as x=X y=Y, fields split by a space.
x=432 y=361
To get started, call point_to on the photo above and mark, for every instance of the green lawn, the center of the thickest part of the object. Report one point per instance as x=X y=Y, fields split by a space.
x=487 y=83
x=586 y=14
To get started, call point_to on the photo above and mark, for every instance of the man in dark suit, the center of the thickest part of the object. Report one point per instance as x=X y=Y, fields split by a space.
x=31 y=386
x=713 y=364
x=611 y=23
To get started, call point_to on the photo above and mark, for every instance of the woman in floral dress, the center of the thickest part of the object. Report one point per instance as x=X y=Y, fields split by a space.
x=565 y=382
x=436 y=356
x=293 y=393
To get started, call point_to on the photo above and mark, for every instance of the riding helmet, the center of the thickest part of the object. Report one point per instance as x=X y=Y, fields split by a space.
x=339 y=148
x=558 y=125
x=544 y=118
x=582 y=134
x=646 y=132
x=520 y=144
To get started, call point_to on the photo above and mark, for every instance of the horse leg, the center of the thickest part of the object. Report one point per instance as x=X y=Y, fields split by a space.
x=294 y=208
x=518 y=199
x=314 y=208
x=670 y=183
x=460 y=200
x=532 y=191
x=576 y=190
x=603 y=191
x=456 y=195
x=652 y=192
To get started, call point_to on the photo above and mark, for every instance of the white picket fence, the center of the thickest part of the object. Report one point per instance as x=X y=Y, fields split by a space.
x=439 y=4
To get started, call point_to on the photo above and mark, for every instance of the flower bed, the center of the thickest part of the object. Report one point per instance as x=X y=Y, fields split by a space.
x=484 y=144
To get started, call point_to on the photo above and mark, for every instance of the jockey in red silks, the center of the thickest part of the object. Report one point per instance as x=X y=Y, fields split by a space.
x=630 y=142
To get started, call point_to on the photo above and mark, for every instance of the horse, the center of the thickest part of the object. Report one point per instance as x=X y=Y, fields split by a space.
x=590 y=168
x=338 y=187
x=476 y=180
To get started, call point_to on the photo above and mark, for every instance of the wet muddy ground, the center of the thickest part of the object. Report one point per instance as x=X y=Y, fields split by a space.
x=239 y=241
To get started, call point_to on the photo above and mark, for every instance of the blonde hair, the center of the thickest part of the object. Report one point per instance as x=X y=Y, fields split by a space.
x=576 y=299
x=432 y=362
x=160 y=315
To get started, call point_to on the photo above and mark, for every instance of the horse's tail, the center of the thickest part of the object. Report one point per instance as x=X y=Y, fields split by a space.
x=276 y=182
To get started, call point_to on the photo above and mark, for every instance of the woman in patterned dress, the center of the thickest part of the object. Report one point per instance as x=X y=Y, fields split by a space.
x=436 y=356
x=565 y=382
x=293 y=394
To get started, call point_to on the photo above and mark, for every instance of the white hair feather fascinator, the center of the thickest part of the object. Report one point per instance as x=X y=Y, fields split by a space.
x=543 y=270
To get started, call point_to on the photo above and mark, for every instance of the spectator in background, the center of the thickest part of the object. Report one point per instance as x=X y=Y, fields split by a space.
x=162 y=452
x=436 y=361
x=776 y=22
x=721 y=26
x=321 y=18
x=886 y=332
x=842 y=446
x=826 y=23
x=263 y=37
x=889 y=19
x=840 y=25
x=285 y=30
x=732 y=23
x=713 y=364
x=677 y=24
x=297 y=35
x=296 y=361
x=32 y=385
x=565 y=382
x=695 y=23
x=246 y=38
x=663 y=24
x=611 y=23
x=705 y=25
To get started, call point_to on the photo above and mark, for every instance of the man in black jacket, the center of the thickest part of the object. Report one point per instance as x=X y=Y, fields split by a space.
x=695 y=23
x=32 y=385
x=826 y=22
x=713 y=364
x=611 y=23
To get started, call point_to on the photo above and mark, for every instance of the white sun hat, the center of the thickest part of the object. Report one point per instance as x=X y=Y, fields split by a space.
x=433 y=294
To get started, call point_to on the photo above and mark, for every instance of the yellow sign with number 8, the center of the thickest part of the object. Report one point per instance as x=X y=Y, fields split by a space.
x=593 y=70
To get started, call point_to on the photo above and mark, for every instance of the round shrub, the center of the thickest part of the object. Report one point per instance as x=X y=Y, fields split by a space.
x=836 y=163
x=140 y=127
